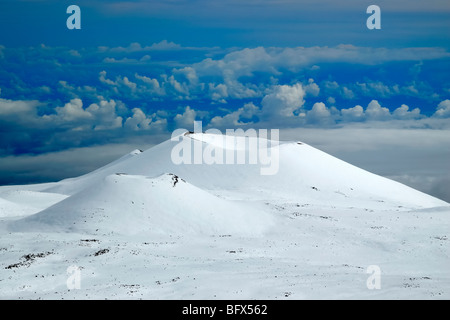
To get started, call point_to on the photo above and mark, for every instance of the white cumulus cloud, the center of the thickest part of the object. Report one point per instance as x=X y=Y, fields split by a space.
x=443 y=109
x=403 y=113
x=186 y=120
x=375 y=111
x=283 y=101
x=353 y=114
x=236 y=118
x=319 y=114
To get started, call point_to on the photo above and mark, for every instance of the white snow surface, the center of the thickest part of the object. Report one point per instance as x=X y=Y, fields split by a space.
x=143 y=227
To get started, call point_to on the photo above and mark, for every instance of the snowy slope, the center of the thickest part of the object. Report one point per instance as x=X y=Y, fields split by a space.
x=144 y=227
x=128 y=204
x=25 y=202
x=11 y=209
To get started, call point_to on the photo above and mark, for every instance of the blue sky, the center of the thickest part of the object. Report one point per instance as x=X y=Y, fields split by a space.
x=226 y=23
x=139 y=69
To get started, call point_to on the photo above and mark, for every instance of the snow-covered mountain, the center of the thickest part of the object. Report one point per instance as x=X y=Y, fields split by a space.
x=304 y=173
x=310 y=230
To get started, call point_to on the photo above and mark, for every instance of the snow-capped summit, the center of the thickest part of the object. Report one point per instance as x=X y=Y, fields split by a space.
x=305 y=174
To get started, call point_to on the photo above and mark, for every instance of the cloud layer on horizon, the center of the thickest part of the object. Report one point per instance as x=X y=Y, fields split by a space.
x=55 y=98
